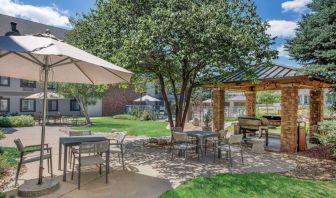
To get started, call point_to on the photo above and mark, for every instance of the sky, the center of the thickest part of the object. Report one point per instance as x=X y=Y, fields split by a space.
x=282 y=16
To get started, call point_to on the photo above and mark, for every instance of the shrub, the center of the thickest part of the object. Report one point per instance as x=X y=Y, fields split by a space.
x=125 y=117
x=136 y=112
x=207 y=118
x=328 y=137
x=17 y=121
x=146 y=116
x=2 y=135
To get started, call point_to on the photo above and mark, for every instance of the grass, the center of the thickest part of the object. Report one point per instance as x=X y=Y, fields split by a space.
x=253 y=185
x=7 y=159
x=133 y=127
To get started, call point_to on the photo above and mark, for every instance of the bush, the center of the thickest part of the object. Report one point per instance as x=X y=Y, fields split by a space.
x=17 y=121
x=207 y=118
x=125 y=117
x=328 y=136
x=2 y=135
x=136 y=112
x=146 y=116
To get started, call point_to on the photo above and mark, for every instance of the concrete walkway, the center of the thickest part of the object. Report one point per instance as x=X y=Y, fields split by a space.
x=150 y=172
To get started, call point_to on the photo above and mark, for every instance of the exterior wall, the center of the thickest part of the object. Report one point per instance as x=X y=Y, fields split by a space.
x=289 y=106
x=218 y=109
x=15 y=93
x=115 y=100
x=316 y=109
x=250 y=105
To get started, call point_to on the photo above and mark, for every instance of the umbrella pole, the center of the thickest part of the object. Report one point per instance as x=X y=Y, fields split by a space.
x=45 y=89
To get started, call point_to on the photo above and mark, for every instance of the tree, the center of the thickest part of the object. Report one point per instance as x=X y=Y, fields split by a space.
x=85 y=94
x=314 y=44
x=178 y=43
x=268 y=98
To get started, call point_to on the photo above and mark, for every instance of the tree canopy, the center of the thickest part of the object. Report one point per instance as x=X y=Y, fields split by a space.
x=314 y=44
x=268 y=98
x=177 y=43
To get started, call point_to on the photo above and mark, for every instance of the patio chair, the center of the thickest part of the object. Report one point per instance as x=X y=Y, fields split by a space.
x=24 y=159
x=90 y=154
x=214 y=140
x=180 y=142
x=234 y=144
x=173 y=129
x=74 y=149
x=117 y=147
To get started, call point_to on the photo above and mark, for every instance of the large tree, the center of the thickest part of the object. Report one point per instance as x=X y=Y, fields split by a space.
x=177 y=43
x=314 y=44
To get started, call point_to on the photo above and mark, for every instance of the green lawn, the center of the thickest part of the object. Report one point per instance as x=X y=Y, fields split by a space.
x=253 y=185
x=133 y=127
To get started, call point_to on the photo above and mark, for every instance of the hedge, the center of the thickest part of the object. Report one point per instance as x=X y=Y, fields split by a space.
x=17 y=121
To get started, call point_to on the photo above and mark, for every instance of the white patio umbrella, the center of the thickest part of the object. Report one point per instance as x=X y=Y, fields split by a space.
x=42 y=57
x=40 y=96
x=146 y=98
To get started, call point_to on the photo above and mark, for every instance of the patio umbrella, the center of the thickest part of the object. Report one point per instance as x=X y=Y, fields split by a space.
x=42 y=57
x=40 y=96
x=146 y=98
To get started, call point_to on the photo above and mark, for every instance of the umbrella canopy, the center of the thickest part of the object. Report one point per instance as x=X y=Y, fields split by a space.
x=40 y=96
x=44 y=57
x=146 y=98
x=25 y=56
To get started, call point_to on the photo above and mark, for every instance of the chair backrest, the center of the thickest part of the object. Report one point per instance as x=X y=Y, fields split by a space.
x=176 y=129
x=120 y=136
x=94 y=147
x=19 y=145
x=222 y=134
x=179 y=136
x=235 y=139
x=79 y=133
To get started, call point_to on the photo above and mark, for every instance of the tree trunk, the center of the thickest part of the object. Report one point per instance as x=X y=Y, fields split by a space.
x=166 y=101
x=84 y=108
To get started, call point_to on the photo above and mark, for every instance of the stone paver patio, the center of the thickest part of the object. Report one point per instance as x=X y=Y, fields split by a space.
x=150 y=172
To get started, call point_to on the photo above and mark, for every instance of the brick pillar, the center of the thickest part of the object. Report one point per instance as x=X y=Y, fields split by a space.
x=218 y=108
x=289 y=111
x=316 y=113
x=250 y=104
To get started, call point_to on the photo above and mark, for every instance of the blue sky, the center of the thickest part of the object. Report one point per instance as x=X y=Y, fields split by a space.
x=282 y=16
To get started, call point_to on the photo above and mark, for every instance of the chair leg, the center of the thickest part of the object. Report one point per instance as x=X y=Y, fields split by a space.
x=18 y=172
x=122 y=160
x=100 y=169
x=51 y=166
x=230 y=155
x=48 y=165
x=73 y=168
x=205 y=146
x=241 y=154
x=79 y=175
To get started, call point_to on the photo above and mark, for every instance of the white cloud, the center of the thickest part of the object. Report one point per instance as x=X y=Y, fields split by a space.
x=282 y=51
x=295 y=5
x=49 y=15
x=282 y=28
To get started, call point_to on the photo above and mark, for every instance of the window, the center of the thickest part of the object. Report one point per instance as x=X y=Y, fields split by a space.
x=27 y=105
x=4 y=104
x=4 y=81
x=74 y=106
x=27 y=83
x=52 y=105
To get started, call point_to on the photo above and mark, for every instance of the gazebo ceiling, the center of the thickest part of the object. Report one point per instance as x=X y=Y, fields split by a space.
x=268 y=78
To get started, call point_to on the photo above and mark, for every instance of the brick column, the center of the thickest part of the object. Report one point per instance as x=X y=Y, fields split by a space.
x=316 y=113
x=218 y=109
x=250 y=104
x=289 y=111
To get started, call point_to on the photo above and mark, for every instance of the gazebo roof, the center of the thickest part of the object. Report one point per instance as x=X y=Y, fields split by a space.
x=268 y=78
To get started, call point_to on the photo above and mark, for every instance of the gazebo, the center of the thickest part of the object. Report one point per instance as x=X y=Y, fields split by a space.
x=276 y=77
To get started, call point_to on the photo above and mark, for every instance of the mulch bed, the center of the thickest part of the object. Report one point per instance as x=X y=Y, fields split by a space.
x=8 y=177
x=315 y=163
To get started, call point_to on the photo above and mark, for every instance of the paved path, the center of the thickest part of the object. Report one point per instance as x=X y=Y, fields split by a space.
x=150 y=172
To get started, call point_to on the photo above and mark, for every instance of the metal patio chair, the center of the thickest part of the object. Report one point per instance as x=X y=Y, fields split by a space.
x=91 y=154
x=74 y=149
x=180 y=142
x=117 y=146
x=25 y=158
x=234 y=144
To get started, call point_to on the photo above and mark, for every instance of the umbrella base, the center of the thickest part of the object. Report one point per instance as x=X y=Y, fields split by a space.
x=32 y=189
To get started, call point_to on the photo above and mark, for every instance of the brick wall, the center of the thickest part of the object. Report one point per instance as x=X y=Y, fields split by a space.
x=250 y=104
x=218 y=109
x=115 y=100
x=289 y=110
x=316 y=109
